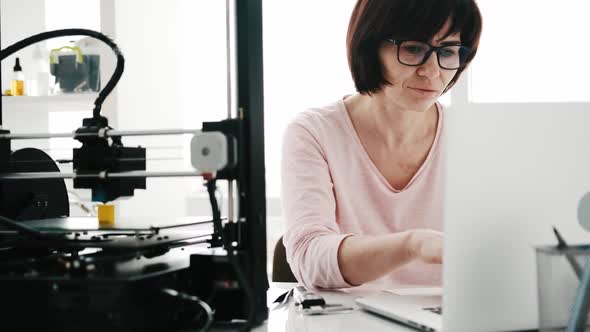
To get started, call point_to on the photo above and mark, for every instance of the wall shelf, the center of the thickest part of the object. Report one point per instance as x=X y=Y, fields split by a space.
x=62 y=102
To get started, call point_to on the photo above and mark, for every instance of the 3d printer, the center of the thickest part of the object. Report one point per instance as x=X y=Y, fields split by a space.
x=63 y=274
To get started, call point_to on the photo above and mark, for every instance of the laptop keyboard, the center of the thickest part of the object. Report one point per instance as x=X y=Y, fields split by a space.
x=436 y=310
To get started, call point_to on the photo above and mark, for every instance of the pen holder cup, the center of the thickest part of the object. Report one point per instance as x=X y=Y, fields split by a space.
x=557 y=284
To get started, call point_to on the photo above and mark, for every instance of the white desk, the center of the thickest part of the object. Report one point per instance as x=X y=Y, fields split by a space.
x=288 y=319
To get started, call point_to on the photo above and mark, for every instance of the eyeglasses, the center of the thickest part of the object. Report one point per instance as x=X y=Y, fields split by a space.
x=414 y=53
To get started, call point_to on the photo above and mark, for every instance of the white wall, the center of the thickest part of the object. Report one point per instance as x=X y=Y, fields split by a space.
x=174 y=78
x=148 y=97
x=20 y=19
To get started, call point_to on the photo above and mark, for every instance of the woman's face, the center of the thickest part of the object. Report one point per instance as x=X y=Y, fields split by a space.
x=416 y=88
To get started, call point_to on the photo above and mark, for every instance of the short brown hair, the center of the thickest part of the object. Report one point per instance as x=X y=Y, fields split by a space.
x=374 y=21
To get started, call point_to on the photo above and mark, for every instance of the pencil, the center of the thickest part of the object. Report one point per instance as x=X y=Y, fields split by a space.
x=561 y=244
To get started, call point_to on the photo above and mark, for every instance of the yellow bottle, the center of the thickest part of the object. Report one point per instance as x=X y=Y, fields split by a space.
x=17 y=84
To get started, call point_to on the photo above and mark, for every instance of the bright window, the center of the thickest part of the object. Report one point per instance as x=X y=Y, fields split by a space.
x=532 y=51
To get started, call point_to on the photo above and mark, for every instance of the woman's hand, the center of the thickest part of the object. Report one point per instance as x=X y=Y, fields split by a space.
x=426 y=245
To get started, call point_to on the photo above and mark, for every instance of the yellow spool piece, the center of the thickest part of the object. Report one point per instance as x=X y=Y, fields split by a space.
x=106 y=215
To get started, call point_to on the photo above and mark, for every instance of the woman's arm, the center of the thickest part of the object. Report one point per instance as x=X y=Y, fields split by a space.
x=366 y=258
x=312 y=235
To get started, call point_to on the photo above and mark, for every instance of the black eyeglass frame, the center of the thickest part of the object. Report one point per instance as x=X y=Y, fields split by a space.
x=462 y=58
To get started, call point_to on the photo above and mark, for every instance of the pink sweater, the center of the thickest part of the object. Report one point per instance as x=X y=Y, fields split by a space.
x=331 y=189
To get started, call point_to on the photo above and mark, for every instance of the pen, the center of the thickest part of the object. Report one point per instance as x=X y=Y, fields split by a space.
x=561 y=244
x=283 y=300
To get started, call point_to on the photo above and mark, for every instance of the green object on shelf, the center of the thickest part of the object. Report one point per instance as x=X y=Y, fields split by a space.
x=79 y=57
x=75 y=72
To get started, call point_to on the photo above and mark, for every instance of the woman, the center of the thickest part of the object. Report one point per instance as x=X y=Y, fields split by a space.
x=362 y=177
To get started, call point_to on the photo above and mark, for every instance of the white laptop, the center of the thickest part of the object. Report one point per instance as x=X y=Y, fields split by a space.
x=511 y=175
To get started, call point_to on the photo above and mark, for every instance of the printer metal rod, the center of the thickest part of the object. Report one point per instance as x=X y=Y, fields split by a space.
x=106 y=133
x=105 y=175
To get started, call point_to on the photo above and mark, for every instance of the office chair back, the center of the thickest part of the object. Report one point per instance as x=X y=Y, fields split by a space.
x=281 y=271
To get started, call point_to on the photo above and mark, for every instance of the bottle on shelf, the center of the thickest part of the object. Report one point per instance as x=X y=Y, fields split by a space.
x=17 y=84
x=39 y=84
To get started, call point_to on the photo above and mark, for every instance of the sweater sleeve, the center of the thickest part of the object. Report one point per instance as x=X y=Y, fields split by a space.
x=312 y=235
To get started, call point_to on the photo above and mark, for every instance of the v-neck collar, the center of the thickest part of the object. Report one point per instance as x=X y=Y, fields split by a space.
x=370 y=162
